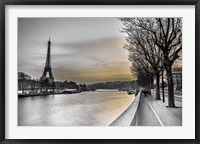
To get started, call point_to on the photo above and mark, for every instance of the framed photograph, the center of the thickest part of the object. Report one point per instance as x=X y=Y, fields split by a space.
x=99 y=72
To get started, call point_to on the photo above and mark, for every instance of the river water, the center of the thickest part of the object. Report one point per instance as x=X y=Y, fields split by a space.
x=98 y=108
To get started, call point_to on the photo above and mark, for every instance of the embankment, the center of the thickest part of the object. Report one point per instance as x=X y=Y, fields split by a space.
x=129 y=116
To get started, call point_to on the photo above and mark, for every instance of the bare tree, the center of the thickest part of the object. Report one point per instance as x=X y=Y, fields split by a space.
x=141 y=42
x=166 y=34
x=142 y=70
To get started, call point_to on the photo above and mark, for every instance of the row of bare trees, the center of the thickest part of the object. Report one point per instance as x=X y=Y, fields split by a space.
x=154 y=44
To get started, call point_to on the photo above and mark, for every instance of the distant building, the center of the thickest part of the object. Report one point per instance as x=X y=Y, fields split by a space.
x=177 y=78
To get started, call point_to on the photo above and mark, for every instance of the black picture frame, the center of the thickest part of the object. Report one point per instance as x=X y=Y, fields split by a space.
x=4 y=3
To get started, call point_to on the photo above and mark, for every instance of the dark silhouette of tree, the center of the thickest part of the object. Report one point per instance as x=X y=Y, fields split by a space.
x=24 y=81
x=141 y=43
x=166 y=34
x=143 y=72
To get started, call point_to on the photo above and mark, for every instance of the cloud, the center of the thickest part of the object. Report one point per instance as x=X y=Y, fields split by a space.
x=85 y=50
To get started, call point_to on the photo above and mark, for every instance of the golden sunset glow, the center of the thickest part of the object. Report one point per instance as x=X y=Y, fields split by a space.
x=82 y=49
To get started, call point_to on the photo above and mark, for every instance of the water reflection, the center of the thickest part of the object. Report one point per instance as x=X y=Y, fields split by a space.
x=81 y=109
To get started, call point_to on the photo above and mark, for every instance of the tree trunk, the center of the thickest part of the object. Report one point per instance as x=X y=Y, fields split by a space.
x=163 y=89
x=170 y=87
x=151 y=81
x=158 y=87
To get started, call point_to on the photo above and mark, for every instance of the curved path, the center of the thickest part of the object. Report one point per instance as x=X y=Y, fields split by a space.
x=145 y=115
x=153 y=112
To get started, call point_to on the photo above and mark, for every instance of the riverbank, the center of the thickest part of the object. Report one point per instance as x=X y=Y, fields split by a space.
x=128 y=116
x=63 y=92
x=46 y=94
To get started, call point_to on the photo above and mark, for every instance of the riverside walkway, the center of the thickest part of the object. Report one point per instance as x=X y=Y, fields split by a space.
x=150 y=112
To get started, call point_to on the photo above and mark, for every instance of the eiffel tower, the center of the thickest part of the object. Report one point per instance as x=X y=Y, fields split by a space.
x=48 y=81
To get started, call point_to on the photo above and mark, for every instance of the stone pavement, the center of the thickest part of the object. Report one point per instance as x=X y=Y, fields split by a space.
x=150 y=112
x=167 y=116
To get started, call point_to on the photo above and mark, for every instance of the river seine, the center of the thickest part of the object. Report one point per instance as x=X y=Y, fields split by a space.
x=98 y=108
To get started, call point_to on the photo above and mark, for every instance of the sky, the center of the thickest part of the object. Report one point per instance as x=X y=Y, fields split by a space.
x=84 y=50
